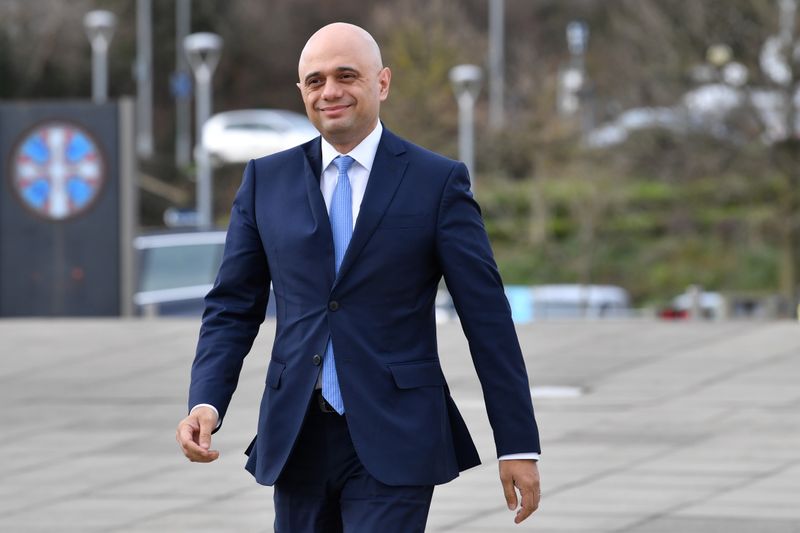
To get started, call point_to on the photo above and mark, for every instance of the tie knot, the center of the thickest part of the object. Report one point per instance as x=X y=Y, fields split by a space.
x=343 y=163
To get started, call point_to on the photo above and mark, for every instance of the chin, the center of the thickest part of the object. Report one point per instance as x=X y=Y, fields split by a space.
x=335 y=126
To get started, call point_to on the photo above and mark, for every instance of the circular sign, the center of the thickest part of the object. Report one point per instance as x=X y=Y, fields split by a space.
x=58 y=170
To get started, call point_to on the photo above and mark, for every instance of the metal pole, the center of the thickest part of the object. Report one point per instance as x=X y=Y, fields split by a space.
x=144 y=78
x=99 y=26
x=203 y=51
x=182 y=88
x=496 y=63
x=100 y=72
x=577 y=40
x=129 y=207
x=466 y=81
x=466 y=133
x=203 y=104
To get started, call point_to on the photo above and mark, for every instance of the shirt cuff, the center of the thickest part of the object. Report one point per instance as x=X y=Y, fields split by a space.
x=219 y=422
x=531 y=455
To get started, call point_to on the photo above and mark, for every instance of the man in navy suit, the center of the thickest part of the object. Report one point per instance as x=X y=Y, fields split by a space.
x=355 y=230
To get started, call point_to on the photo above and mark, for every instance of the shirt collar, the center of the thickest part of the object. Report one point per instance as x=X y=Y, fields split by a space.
x=364 y=153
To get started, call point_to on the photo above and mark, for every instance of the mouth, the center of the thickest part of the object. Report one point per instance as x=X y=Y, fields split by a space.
x=334 y=109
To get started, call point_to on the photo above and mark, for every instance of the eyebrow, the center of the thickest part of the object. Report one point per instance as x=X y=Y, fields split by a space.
x=344 y=68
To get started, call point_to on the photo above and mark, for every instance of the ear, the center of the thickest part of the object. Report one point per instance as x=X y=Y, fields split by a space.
x=384 y=80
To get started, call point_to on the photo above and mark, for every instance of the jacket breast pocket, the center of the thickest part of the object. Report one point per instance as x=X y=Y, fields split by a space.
x=404 y=221
x=417 y=374
x=274 y=373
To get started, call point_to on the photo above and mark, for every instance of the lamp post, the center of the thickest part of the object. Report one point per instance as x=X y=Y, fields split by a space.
x=496 y=63
x=181 y=84
x=466 y=80
x=144 y=78
x=577 y=41
x=99 y=25
x=203 y=51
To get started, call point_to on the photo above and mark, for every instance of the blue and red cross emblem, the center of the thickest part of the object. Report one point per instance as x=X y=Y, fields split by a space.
x=58 y=170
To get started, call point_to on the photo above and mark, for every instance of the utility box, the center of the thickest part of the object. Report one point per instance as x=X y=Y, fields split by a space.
x=67 y=209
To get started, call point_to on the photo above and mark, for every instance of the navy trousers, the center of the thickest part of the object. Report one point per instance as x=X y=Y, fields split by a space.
x=324 y=488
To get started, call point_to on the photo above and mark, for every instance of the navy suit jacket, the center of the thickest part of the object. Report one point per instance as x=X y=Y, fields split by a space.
x=417 y=223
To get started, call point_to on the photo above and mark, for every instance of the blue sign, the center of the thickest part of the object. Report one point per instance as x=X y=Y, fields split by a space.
x=58 y=170
x=181 y=85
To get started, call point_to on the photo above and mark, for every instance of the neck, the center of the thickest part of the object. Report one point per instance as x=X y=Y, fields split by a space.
x=345 y=145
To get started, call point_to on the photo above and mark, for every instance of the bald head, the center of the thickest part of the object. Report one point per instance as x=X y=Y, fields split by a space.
x=343 y=82
x=345 y=37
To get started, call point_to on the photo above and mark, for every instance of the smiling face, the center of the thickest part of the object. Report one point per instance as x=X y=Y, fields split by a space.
x=343 y=82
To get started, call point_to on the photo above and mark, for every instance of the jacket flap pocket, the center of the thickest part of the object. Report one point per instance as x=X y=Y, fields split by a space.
x=417 y=374
x=274 y=373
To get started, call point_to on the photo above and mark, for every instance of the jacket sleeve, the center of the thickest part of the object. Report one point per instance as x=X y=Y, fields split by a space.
x=234 y=308
x=474 y=283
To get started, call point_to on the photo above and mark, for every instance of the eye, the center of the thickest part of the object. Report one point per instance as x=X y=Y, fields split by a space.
x=313 y=82
x=347 y=76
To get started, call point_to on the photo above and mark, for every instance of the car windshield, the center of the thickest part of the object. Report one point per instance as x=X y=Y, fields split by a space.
x=171 y=267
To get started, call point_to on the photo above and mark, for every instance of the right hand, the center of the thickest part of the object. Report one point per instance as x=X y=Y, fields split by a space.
x=194 y=435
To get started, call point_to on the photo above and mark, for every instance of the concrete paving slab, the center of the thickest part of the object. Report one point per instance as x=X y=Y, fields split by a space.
x=689 y=427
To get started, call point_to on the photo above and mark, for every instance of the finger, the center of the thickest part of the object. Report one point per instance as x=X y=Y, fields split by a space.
x=187 y=436
x=186 y=432
x=204 y=456
x=528 y=505
x=194 y=452
x=509 y=492
x=206 y=426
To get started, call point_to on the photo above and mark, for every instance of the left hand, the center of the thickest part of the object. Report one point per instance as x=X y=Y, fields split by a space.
x=524 y=475
x=194 y=435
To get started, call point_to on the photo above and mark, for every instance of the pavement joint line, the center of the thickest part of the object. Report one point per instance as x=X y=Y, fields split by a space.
x=578 y=344
x=213 y=499
x=9 y=439
x=717 y=492
x=86 y=492
x=79 y=455
x=100 y=352
x=576 y=483
x=666 y=353
x=748 y=367
x=92 y=400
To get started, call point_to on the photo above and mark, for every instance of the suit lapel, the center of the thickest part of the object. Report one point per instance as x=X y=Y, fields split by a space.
x=384 y=178
x=322 y=223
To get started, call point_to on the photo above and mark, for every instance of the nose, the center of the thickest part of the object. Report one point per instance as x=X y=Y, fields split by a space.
x=332 y=90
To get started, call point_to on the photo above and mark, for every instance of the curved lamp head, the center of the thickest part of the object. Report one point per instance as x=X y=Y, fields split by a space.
x=100 y=25
x=203 y=51
x=466 y=79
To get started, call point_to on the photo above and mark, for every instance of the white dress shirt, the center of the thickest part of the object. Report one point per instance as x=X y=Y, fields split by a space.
x=363 y=156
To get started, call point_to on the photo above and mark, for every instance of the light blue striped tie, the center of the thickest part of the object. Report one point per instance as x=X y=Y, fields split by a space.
x=342 y=226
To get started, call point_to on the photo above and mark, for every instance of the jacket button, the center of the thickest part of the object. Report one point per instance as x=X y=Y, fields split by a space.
x=316 y=359
x=333 y=305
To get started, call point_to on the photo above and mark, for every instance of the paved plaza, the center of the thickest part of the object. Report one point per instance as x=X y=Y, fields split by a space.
x=681 y=427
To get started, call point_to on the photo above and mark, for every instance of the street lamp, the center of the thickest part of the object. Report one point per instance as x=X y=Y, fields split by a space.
x=466 y=80
x=575 y=88
x=203 y=51
x=181 y=85
x=496 y=63
x=144 y=78
x=99 y=26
